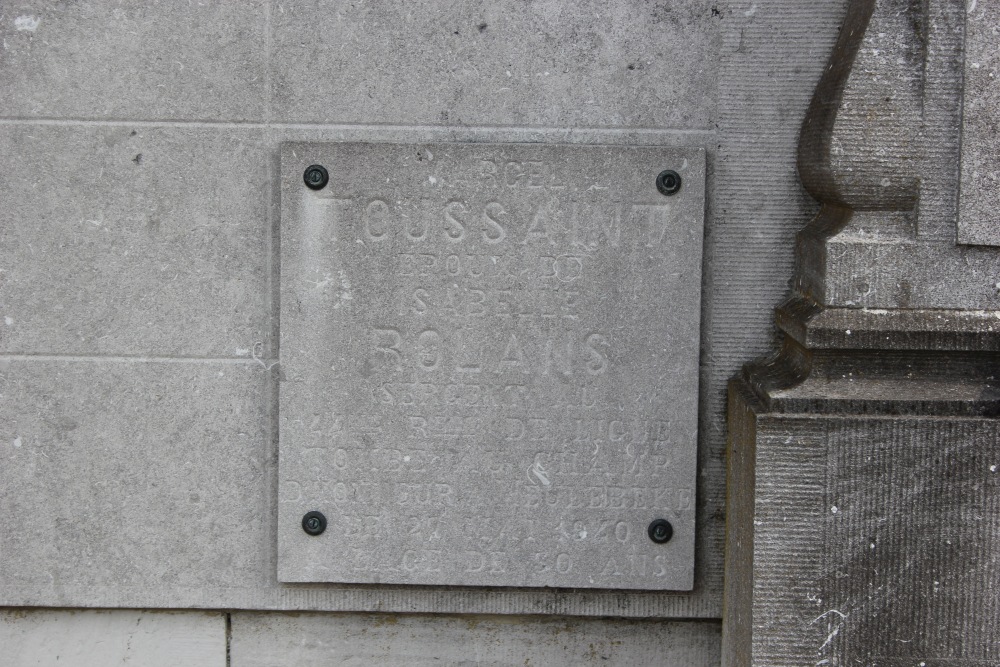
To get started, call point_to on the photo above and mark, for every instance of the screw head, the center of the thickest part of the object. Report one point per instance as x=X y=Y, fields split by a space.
x=660 y=531
x=314 y=523
x=668 y=182
x=316 y=177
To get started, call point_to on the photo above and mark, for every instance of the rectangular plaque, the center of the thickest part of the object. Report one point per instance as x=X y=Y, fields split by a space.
x=489 y=364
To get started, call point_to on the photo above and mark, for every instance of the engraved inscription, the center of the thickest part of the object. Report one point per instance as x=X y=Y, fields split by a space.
x=489 y=358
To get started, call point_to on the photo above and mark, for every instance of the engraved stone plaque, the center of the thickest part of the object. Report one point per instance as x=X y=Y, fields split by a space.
x=489 y=364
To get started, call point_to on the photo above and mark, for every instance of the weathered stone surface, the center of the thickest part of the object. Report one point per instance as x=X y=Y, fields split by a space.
x=489 y=357
x=862 y=540
x=460 y=62
x=308 y=640
x=132 y=240
x=864 y=500
x=979 y=209
x=755 y=206
x=877 y=329
x=134 y=60
x=880 y=151
x=838 y=249
x=42 y=638
x=130 y=479
x=758 y=204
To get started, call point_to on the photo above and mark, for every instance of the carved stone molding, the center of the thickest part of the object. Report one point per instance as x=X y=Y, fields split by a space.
x=864 y=492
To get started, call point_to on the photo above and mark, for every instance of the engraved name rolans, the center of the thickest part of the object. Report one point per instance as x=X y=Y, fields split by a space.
x=429 y=350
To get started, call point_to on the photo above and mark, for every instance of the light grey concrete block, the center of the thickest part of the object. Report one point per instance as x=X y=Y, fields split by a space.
x=307 y=640
x=131 y=241
x=43 y=638
x=143 y=478
x=979 y=199
x=133 y=60
x=460 y=62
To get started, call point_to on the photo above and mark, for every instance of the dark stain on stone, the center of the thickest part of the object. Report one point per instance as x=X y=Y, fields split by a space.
x=905 y=293
x=482 y=27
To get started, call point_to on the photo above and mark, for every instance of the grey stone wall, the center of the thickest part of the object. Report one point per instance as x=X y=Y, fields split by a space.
x=138 y=223
x=90 y=638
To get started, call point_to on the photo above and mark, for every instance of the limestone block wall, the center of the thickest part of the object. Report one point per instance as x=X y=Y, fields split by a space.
x=138 y=274
x=97 y=638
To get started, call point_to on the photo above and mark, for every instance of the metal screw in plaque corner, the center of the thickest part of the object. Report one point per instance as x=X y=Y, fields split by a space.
x=314 y=523
x=660 y=531
x=316 y=177
x=668 y=182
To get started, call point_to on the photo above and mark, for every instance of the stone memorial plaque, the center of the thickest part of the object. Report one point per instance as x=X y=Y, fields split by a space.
x=489 y=364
